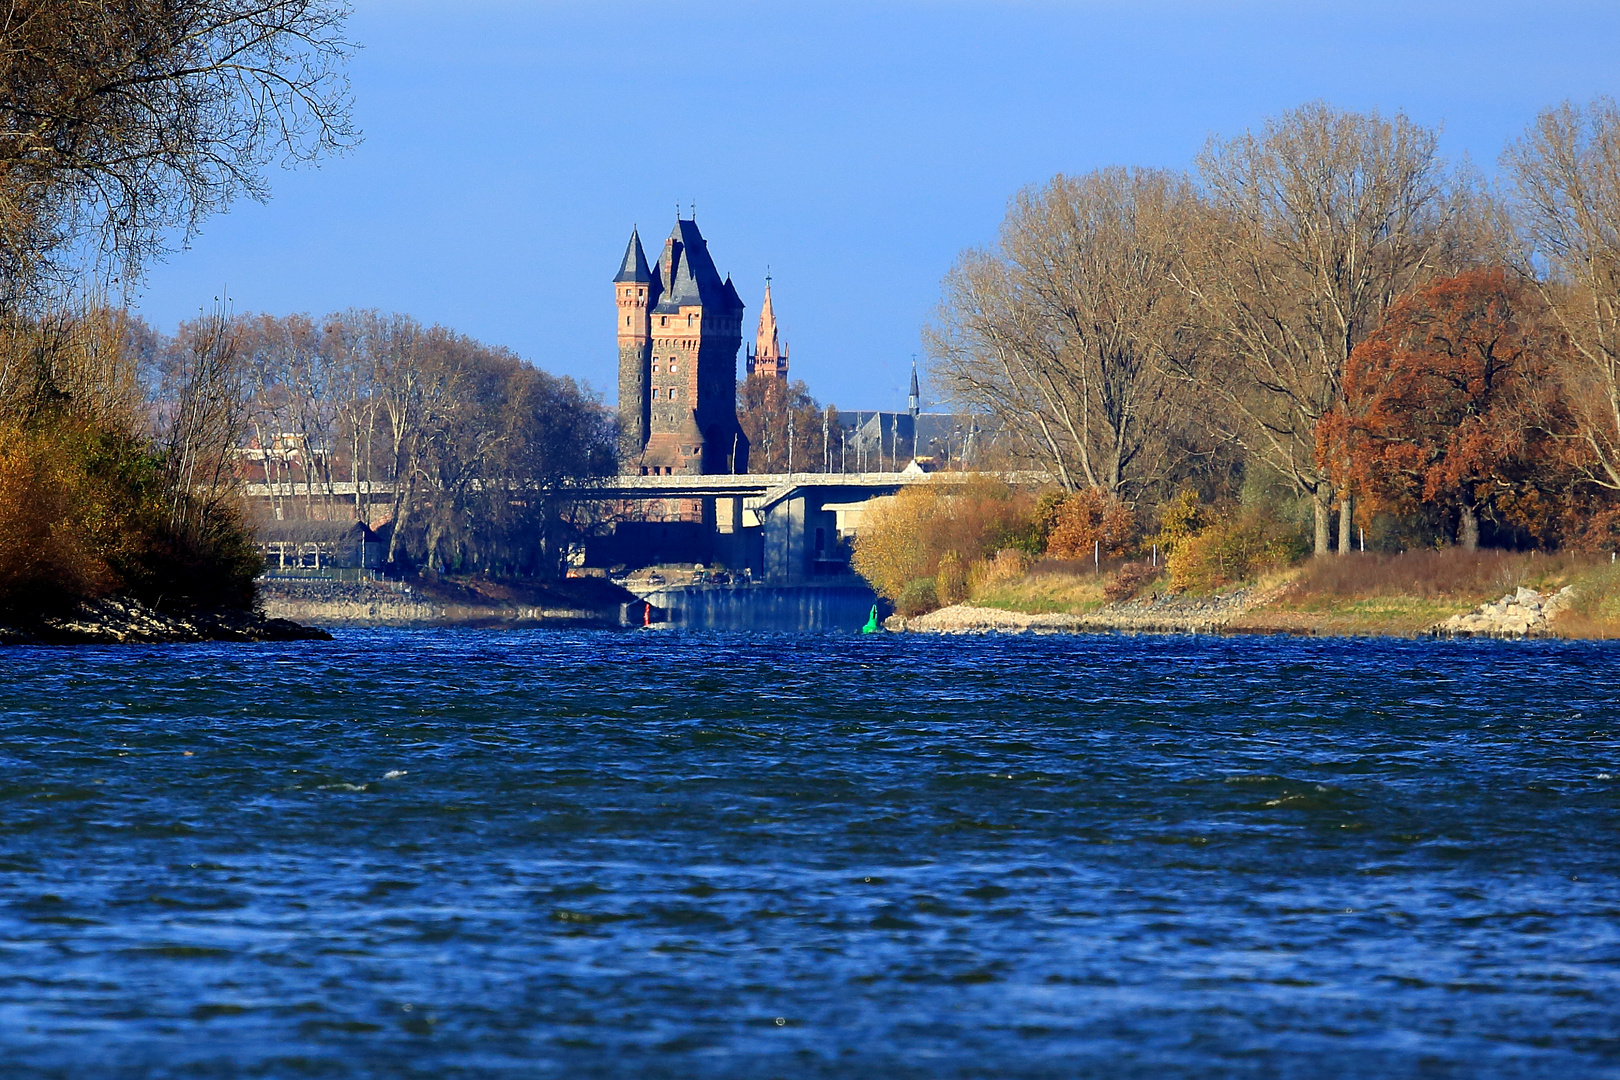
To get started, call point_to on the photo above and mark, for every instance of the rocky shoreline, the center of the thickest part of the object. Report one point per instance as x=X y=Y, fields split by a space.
x=116 y=620
x=392 y=604
x=1523 y=613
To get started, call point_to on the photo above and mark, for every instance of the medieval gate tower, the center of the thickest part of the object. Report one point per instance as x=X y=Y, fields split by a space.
x=679 y=330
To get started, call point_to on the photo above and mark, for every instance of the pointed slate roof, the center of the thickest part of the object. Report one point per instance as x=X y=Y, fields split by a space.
x=693 y=280
x=634 y=266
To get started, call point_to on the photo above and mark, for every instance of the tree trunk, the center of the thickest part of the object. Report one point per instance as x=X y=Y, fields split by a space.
x=1344 y=526
x=1319 y=506
x=1468 y=528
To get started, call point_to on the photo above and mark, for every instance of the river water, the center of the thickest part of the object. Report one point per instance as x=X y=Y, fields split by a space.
x=507 y=854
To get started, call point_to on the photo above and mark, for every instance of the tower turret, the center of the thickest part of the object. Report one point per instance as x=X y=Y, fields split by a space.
x=636 y=290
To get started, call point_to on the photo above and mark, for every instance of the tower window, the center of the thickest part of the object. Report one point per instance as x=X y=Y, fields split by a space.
x=663 y=320
x=672 y=367
x=627 y=320
x=655 y=367
x=689 y=320
x=655 y=391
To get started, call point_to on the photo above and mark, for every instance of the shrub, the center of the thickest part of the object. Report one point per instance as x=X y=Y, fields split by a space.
x=1230 y=550
x=950 y=583
x=1128 y=580
x=86 y=511
x=1087 y=521
x=908 y=537
x=917 y=598
x=1180 y=519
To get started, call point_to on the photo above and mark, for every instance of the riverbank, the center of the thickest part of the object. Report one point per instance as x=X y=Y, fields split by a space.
x=120 y=621
x=443 y=601
x=1422 y=594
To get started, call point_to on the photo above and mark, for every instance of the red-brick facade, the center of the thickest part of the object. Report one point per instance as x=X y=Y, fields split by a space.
x=679 y=329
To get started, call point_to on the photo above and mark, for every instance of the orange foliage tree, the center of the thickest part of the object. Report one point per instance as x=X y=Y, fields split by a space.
x=1090 y=521
x=1451 y=403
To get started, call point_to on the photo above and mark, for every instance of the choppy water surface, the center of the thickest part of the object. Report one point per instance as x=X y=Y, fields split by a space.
x=461 y=854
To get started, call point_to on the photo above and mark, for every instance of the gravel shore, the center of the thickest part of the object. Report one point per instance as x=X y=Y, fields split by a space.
x=1157 y=615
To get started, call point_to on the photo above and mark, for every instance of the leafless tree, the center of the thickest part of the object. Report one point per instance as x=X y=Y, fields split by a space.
x=1069 y=329
x=1567 y=174
x=123 y=121
x=204 y=396
x=1317 y=223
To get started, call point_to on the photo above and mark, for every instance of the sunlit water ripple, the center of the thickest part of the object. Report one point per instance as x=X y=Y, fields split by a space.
x=469 y=854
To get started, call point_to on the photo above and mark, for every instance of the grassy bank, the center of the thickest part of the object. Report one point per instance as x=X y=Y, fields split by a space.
x=1399 y=595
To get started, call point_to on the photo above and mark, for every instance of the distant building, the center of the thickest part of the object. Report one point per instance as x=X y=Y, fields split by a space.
x=768 y=356
x=679 y=328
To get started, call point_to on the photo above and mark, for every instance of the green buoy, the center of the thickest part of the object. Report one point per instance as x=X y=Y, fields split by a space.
x=871 y=626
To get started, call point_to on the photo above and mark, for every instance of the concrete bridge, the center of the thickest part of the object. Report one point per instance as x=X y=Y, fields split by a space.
x=787 y=528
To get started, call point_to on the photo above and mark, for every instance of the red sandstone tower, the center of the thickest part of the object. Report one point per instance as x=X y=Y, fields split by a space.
x=768 y=356
x=679 y=328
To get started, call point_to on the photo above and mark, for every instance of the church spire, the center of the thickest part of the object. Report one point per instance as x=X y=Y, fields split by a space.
x=914 y=402
x=765 y=341
x=769 y=356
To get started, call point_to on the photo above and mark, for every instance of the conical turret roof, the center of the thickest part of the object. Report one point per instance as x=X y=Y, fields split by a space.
x=634 y=266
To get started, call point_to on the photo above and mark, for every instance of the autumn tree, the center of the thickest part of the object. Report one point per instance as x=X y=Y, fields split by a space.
x=1449 y=403
x=777 y=415
x=1316 y=224
x=1066 y=328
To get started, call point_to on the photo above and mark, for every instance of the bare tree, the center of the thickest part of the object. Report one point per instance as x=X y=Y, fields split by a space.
x=123 y=120
x=1567 y=173
x=204 y=394
x=1317 y=223
x=1066 y=330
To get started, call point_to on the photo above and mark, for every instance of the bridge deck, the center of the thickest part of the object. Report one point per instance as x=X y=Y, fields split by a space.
x=668 y=487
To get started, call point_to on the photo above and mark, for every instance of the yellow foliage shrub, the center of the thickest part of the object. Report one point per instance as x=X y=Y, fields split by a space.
x=930 y=528
x=1232 y=549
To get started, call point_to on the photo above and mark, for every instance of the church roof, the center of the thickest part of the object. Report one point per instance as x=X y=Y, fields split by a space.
x=634 y=266
x=693 y=280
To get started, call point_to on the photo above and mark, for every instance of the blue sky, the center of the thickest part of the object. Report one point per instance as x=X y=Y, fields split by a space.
x=854 y=148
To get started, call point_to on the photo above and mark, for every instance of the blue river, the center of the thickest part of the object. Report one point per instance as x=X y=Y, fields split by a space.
x=451 y=854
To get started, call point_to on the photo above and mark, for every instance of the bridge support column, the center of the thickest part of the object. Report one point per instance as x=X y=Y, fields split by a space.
x=728 y=514
x=785 y=557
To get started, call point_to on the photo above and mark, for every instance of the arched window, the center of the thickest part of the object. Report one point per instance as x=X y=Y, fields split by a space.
x=672 y=366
